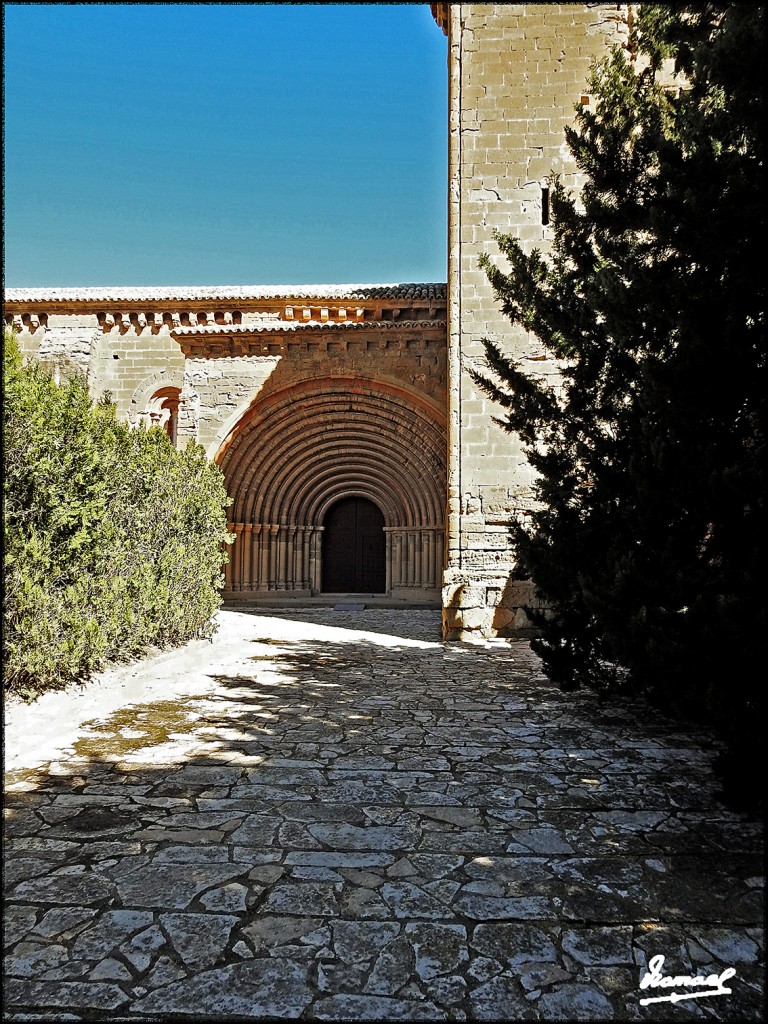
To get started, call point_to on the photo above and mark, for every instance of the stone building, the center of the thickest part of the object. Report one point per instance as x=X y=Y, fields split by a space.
x=359 y=454
x=517 y=73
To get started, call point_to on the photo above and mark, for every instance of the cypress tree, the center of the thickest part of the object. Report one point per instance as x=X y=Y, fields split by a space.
x=648 y=541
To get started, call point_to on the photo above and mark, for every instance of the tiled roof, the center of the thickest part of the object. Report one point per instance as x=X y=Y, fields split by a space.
x=280 y=326
x=228 y=293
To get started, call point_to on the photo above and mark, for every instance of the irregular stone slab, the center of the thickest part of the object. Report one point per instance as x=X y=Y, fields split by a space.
x=727 y=946
x=463 y=817
x=94 y=822
x=32 y=965
x=520 y=876
x=349 y=837
x=199 y=939
x=361 y=941
x=501 y=999
x=267 y=931
x=485 y=908
x=108 y=931
x=71 y=995
x=408 y=900
x=275 y=988
x=539 y=976
x=229 y=897
x=173 y=887
x=335 y=859
x=192 y=855
x=142 y=949
x=439 y=948
x=21 y=822
x=363 y=904
x=266 y=874
x=303 y=898
x=51 y=849
x=599 y=945
x=64 y=922
x=81 y=889
x=270 y=776
x=256 y=830
x=20 y=868
x=435 y=865
x=315 y=875
x=197 y=819
x=575 y=1002
x=360 y=1008
x=204 y=775
x=70 y=970
x=164 y=972
x=514 y=944
x=335 y=976
x=392 y=969
x=110 y=970
x=542 y=840
x=17 y=921
x=448 y=991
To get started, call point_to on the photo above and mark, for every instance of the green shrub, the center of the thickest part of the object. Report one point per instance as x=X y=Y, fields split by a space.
x=114 y=541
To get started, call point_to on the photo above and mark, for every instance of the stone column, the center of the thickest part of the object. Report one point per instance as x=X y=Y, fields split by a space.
x=237 y=559
x=247 y=545
x=256 y=557
x=228 y=573
x=274 y=563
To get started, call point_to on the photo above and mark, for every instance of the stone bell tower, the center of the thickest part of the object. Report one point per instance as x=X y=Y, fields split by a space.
x=517 y=73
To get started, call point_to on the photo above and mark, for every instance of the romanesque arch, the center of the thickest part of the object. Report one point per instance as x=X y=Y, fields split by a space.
x=156 y=400
x=300 y=450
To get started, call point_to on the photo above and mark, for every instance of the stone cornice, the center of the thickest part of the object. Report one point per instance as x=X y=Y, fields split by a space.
x=268 y=326
x=163 y=309
x=278 y=338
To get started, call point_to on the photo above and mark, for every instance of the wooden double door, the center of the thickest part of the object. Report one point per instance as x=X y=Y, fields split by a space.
x=354 y=548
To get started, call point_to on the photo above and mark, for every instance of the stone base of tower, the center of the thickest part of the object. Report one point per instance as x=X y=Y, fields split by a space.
x=479 y=604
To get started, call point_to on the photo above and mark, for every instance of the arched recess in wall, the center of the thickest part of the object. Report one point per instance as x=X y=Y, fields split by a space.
x=163 y=410
x=156 y=401
x=297 y=452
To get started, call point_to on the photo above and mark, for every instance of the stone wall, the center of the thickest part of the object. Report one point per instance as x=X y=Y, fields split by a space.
x=304 y=396
x=516 y=74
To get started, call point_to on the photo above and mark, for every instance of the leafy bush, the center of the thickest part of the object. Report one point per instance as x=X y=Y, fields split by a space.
x=114 y=541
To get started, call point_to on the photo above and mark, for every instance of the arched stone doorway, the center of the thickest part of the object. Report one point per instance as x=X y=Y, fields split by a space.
x=354 y=548
x=301 y=450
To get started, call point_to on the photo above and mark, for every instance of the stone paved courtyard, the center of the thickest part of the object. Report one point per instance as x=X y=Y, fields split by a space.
x=332 y=815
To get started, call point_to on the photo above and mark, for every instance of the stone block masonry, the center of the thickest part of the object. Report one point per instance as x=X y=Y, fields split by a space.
x=516 y=74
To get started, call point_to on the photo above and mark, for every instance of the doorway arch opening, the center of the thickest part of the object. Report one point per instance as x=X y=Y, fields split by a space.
x=354 y=553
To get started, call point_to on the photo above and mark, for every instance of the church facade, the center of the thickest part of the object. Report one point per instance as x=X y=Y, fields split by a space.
x=359 y=454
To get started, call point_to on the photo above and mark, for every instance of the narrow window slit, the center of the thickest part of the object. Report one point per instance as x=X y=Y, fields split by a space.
x=545 y=205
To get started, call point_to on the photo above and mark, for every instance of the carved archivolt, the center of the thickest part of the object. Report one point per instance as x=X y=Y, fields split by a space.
x=299 y=451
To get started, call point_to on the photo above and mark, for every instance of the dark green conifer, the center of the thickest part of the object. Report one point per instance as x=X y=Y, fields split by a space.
x=649 y=542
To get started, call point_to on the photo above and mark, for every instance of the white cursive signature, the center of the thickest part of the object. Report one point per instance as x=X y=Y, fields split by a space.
x=653 y=978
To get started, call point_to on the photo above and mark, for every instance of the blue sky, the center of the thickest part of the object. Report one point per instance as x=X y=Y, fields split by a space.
x=168 y=144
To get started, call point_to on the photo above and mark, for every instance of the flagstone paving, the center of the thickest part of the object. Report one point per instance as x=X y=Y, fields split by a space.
x=345 y=819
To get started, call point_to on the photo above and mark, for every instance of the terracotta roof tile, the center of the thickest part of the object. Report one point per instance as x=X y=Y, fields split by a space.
x=229 y=293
